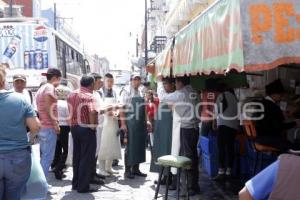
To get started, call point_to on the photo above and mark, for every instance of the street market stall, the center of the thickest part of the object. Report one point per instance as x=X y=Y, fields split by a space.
x=244 y=35
x=251 y=37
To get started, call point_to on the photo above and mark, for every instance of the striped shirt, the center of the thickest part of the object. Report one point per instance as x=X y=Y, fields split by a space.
x=46 y=90
x=81 y=104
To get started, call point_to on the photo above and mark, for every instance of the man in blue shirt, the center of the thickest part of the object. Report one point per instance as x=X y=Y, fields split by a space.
x=15 y=159
x=260 y=186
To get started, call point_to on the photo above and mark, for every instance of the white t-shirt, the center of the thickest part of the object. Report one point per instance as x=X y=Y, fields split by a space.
x=63 y=112
x=185 y=101
x=128 y=93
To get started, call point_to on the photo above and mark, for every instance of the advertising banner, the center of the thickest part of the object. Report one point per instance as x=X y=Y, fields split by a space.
x=24 y=46
x=271 y=33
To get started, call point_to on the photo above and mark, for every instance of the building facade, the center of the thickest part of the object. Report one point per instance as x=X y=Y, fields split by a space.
x=182 y=12
x=98 y=64
x=2 y=6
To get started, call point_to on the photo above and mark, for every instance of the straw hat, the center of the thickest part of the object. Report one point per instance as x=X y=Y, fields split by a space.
x=62 y=92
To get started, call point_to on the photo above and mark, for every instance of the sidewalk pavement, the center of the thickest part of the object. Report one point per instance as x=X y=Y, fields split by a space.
x=118 y=188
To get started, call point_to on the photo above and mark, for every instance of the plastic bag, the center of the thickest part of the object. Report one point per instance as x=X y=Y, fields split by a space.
x=36 y=187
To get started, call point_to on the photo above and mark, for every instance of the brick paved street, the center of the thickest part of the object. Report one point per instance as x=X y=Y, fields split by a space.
x=116 y=188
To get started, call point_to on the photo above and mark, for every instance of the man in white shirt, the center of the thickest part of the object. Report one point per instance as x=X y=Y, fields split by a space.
x=98 y=99
x=184 y=101
x=61 y=150
x=19 y=83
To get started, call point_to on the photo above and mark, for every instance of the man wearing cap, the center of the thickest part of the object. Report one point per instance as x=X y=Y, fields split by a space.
x=19 y=83
x=46 y=101
x=133 y=122
x=270 y=129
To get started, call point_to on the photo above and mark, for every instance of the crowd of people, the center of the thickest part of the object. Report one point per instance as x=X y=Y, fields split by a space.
x=100 y=121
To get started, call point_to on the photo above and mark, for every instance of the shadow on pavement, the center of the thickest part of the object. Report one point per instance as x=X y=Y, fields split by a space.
x=137 y=182
x=70 y=196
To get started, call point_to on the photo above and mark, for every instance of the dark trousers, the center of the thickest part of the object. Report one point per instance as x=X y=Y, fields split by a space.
x=226 y=140
x=61 y=150
x=188 y=148
x=94 y=170
x=84 y=150
x=128 y=168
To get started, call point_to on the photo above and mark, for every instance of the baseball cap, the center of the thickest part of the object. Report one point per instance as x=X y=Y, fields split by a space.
x=135 y=75
x=52 y=71
x=19 y=77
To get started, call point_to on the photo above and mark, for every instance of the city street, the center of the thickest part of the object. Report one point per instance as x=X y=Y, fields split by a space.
x=116 y=188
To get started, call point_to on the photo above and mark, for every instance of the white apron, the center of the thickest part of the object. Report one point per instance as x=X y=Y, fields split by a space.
x=99 y=132
x=175 y=137
x=110 y=146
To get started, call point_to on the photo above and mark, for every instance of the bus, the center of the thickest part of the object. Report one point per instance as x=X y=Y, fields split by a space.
x=30 y=47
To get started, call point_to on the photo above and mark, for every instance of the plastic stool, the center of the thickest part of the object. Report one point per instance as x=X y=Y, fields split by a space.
x=179 y=162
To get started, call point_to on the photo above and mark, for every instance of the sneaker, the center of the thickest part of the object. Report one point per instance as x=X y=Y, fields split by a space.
x=104 y=173
x=112 y=172
x=99 y=176
x=97 y=182
x=228 y=172
x=129 y=175
x=115 y=163
x=139 y=173
x=91 y=190
x=51 y=192
x=59 y=175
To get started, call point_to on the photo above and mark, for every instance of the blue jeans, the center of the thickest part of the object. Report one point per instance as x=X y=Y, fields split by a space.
x=15 y=169
x=47 y=139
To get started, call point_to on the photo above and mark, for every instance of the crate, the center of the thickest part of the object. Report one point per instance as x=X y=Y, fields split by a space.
x=208 y=145
x=241 y=166
x=210 y=164
x=266 y=161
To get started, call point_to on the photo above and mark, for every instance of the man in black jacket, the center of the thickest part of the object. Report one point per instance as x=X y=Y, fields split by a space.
x=271 y=129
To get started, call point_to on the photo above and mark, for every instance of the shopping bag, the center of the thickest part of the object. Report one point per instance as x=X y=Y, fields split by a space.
x=36 y=187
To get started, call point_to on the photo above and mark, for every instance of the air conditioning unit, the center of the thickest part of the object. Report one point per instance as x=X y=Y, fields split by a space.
x=17 y=11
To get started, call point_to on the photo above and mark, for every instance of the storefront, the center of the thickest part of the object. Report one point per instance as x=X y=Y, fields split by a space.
x=255 y=39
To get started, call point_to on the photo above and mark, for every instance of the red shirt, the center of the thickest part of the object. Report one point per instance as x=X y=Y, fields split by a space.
x=208 y=100
x=151 y=108
x=81 y=104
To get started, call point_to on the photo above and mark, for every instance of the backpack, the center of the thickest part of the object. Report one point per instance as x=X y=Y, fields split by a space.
x=31 y=97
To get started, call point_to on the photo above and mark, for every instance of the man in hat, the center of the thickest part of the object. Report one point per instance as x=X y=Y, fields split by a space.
x=270 y=129
x=46 y=101
x=19 y=83
x=61 y=151
x=134 y=126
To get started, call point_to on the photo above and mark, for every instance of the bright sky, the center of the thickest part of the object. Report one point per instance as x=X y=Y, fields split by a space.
x=105 y=25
